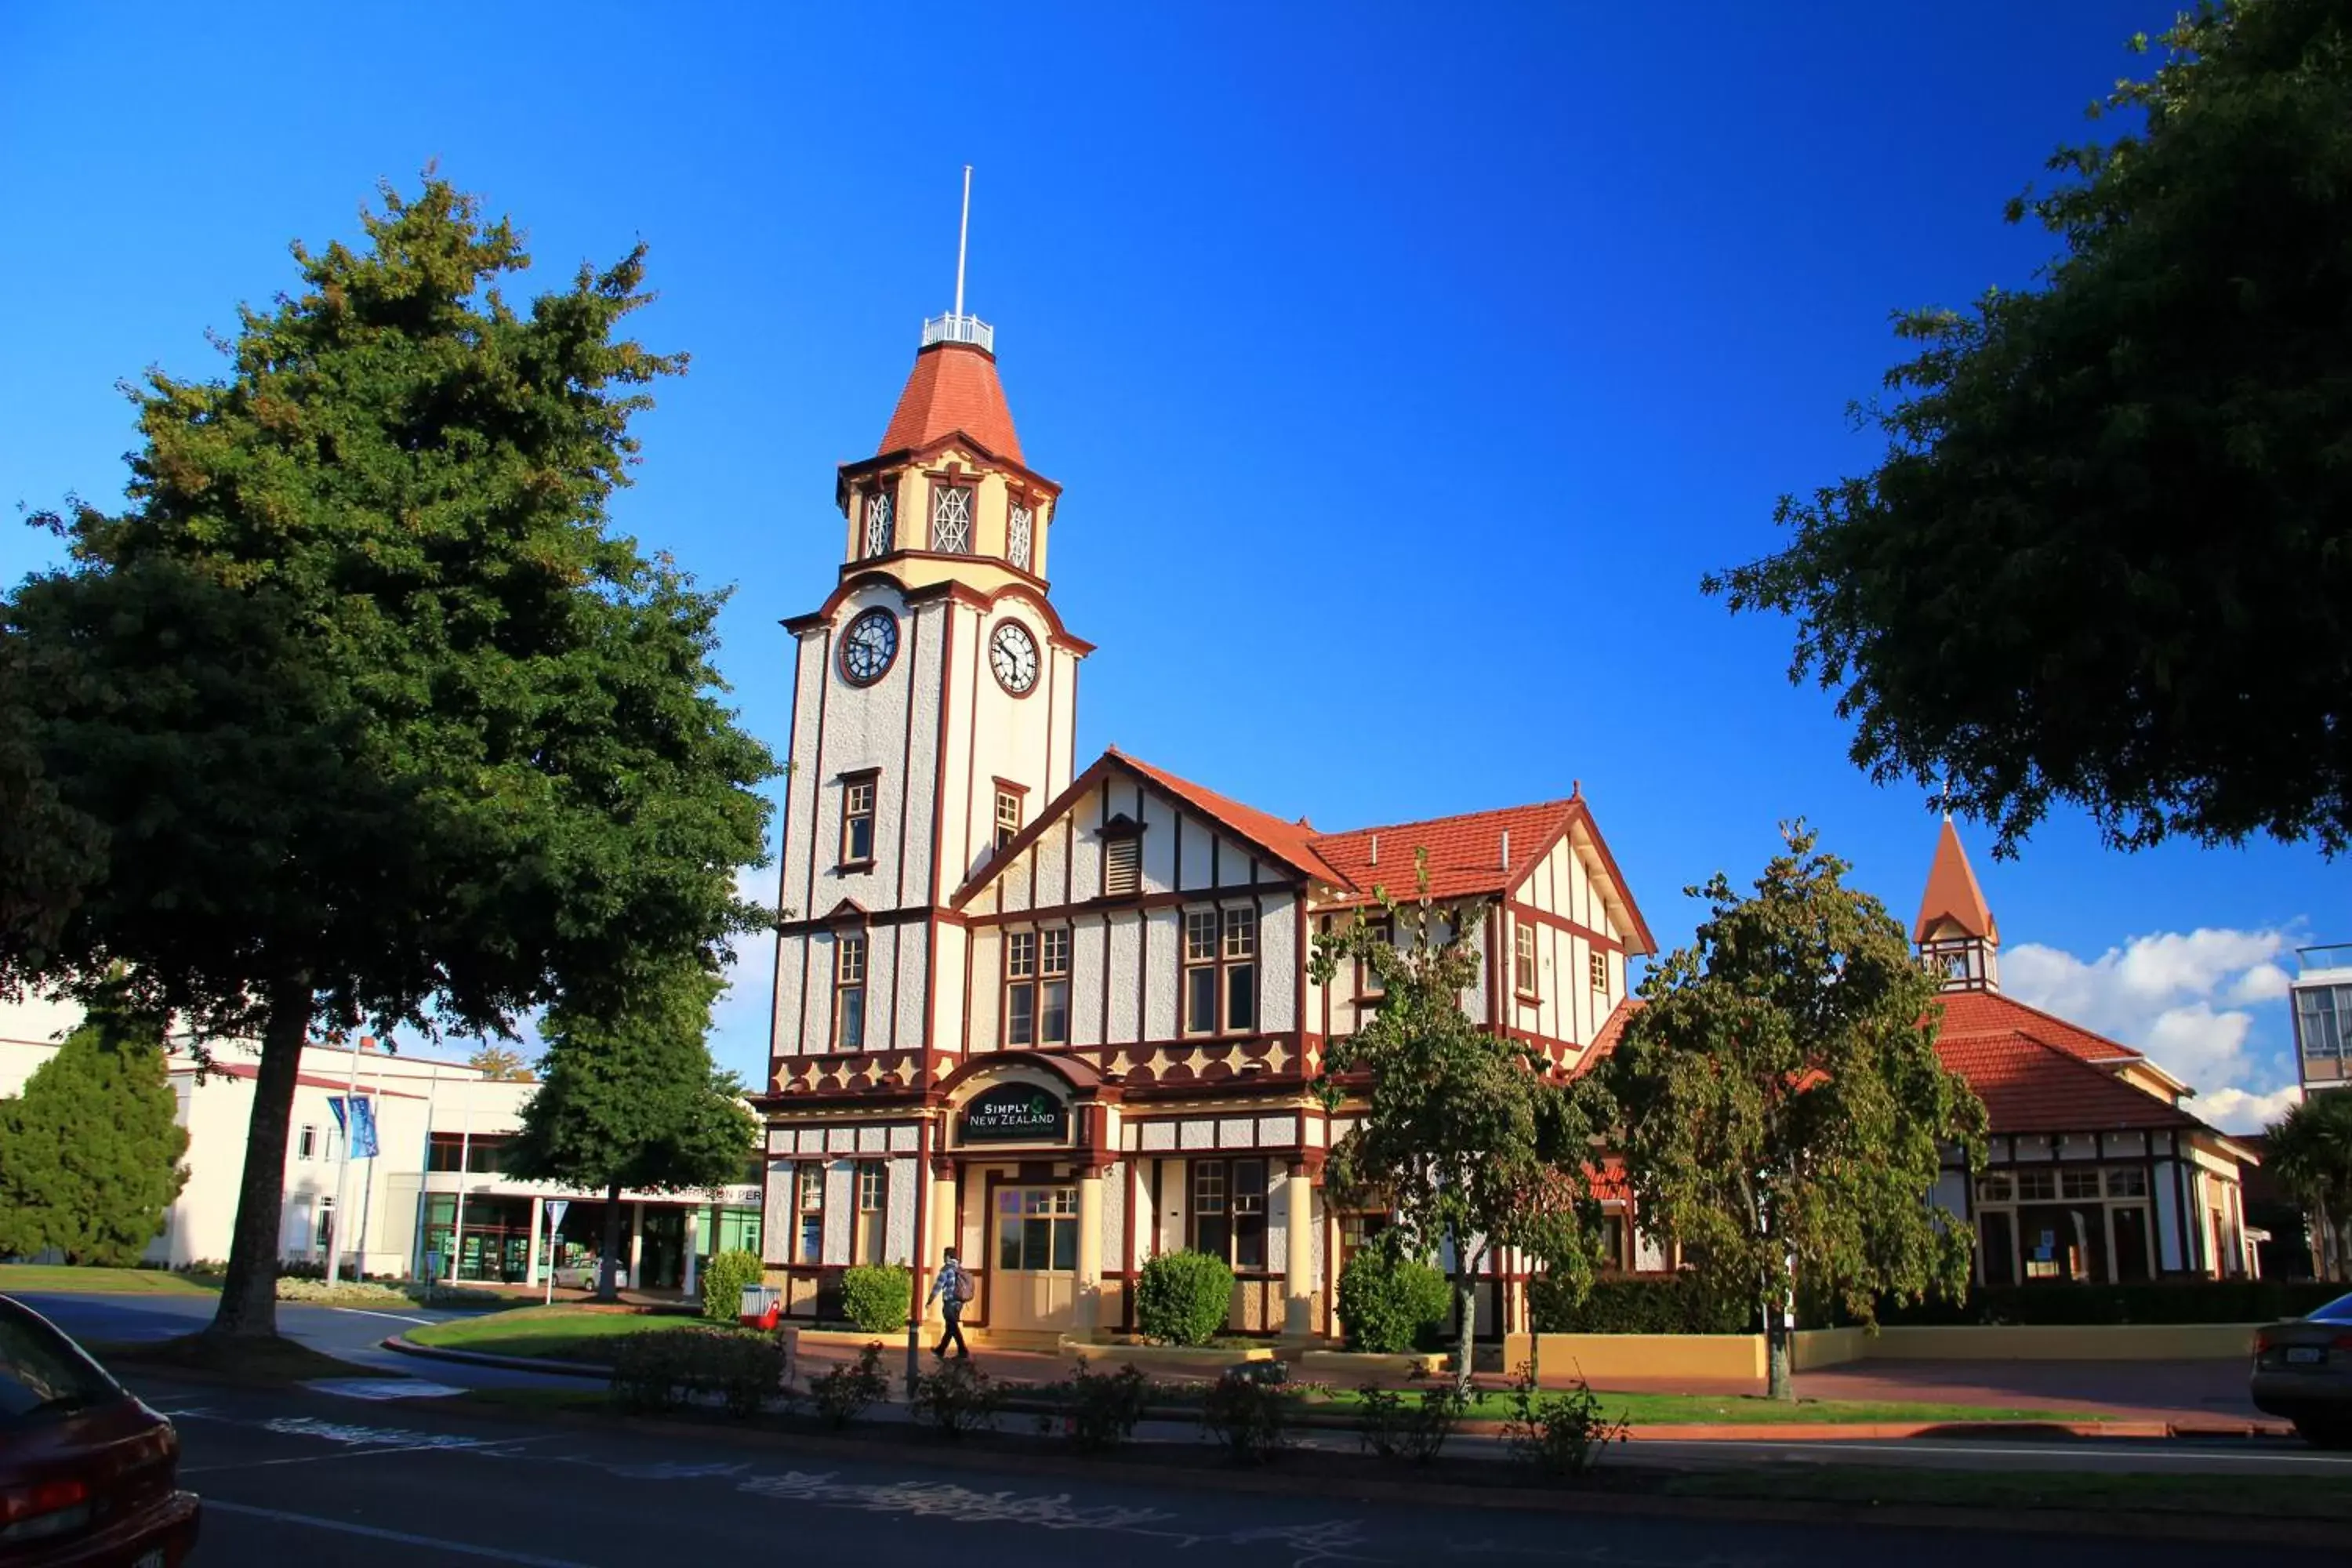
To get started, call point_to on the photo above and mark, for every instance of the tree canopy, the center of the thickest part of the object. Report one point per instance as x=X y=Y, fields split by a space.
x=499 y=1064
x=2106 y=557
x=2310 y=1152
x=629 y=1099
x=1784 y=1110
x=1467 y=1139
x=90 y=1153
x=382 y=723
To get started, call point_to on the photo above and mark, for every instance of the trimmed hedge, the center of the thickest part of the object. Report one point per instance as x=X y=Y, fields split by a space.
x=724 y=1280
x=666 y=1368
x=876 y=1297
x=1183 y=1297
x=2186 y=1301
x=1664 y=1304
x=1389 y=1305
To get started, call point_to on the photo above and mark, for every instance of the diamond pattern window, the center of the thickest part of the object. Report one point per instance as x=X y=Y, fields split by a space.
x=951 y=519
x=877 y=524
x=1020 y=526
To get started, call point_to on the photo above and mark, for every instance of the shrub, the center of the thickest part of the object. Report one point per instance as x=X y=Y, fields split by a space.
x=876 y=1297
x=1559 y=1434
x=287 y=1268
x=1408 y=1424
x=724 y=1280
x=1183 y=1297
x=1248 y=1414
x=843 y=1393
x=1667 y=1304
x=1390 y=1304
x=2189 y=1301
x=957 y=1398
x=1100 y=1410
x=662 y=1369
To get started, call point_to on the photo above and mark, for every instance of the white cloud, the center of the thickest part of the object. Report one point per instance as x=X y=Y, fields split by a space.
x=2191 y=1000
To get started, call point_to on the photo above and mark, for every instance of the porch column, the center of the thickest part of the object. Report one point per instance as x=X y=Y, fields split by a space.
x=942 y=1232
x=1298 y=1253
x=1090 y=1303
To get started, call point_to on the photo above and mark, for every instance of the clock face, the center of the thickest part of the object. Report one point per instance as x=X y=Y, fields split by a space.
x=868 y=647
x=1013 y=657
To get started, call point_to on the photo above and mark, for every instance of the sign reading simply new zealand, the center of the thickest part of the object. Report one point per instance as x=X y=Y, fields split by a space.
x=1014 y=1113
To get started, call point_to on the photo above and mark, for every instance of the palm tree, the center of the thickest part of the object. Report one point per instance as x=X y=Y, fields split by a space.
x=2310 y=1151
x=499 y=1065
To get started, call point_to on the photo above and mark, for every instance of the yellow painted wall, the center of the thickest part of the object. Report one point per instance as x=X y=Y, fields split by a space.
x=1561 y=1359
x=1598 y=1358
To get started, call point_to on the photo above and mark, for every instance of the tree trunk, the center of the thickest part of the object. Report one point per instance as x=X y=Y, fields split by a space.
x=1465 y=1314
x=605 y=1265
x=248 y=1297
x=1777 y=1381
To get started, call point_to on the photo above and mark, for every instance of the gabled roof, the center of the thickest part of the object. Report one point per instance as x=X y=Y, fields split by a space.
x=1952 y=892
x=1466 y=852
x=1991 y=1013
x=2028 y=1085
x=1292 y=843
x=1612 y=1030
x=953 y=387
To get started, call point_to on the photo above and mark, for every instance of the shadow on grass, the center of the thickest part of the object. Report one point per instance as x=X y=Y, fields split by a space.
x=273 y=1360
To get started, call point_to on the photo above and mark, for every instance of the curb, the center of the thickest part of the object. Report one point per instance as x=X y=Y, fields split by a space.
x=2238 y=1529
x=406 y=1346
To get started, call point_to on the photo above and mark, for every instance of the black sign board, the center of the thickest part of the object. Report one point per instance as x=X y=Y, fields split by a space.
x=1014 y=1113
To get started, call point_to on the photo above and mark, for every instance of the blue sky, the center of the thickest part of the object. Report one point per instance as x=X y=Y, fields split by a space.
x=1405 y=370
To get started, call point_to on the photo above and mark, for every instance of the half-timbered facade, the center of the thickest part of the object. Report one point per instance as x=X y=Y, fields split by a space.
x=1061 y=1019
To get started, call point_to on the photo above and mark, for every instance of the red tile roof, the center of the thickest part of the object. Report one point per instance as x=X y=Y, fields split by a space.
x=1991 y=1012
x=368 y=1086
x=1612 y=1030
x=953 y=387
x=2028 y=1085
x=1466 y=852
x=1293 y=843
x=1952 y=892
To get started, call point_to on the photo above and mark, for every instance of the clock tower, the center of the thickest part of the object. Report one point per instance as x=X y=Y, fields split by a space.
x=933 y=714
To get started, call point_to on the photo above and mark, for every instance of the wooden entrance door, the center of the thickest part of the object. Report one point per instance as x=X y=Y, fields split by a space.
x=1036 y=1259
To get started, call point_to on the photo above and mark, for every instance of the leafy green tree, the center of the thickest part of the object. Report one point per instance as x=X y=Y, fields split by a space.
x=1463 y=1137
x=1783 y=1108
x=47 y=851
x=2106 y=557
x=383 y=726
x=629 y=1100
x=90 y=1153
x=2310 y=1151
x=499 y=1064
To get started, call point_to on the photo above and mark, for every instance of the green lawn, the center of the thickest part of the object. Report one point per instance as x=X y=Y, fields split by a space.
x=1702 y=1410
x=559 y=1333
x=16 y=1278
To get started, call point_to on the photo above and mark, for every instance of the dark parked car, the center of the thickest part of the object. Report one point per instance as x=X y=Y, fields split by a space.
x=88 y=1475
x=2302 y=1370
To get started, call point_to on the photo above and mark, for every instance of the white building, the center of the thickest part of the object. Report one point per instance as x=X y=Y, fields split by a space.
x=434 y=1192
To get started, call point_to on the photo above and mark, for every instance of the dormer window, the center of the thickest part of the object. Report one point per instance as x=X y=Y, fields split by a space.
x=951 y=519
x=877 y=524
x=1020 y=528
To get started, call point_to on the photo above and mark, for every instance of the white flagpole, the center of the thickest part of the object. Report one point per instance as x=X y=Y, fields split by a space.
x=963 y=236
x=335 y=1231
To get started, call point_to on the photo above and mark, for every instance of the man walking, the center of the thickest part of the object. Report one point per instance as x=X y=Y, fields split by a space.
x=951 y=1287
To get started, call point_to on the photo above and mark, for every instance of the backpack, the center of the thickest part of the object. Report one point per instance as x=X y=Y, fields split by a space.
x=961 y=1288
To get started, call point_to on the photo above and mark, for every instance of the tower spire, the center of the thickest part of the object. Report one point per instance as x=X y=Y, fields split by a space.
x=963 y=238
x=955 y=327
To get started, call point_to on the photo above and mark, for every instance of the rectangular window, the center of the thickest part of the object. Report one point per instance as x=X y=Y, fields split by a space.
x=2036 y=1186
x=2078 y=1183
x=1993 y=1189
x=877 y=523
x=951 y=519
x=1021 y=988
x=326 y=1224
x=482 y=1153
x=1229 y=1211
x=1368 y=979
x=1241 y=969
x=2127 y=1182
x=1598 y=964
x=1199 y=972
x=1037 y=1229
x=809 y=1200
x=849 y=993
x=857 y=821
x=1054 y=986
x=1523 y=959
x=1213 y=1221
x=873 y=1187
x=306 y=1144
x=1008 y=817
x=1220 y=967
x=1249 y=1214
x=1122 y=868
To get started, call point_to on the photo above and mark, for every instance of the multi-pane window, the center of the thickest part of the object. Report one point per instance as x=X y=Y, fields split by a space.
x=873 y=1190
x=2127 y=1182
x=1523 y=959
x=951 y=519
x=1037 y=987
x=857 y=821
x=306 y=1146
x=1596 y=964
x=2037 y=1186
x=849 y=992
x=1220 y=967
x=2322 y=1019
x=877 y=524
x=1038 y=1229
x=1020 y=528
x=1122 y=867
x=1008 y=817
x=1369 y=983
x=1228 y=1213
x=808 y=1201
x=2078 y=1183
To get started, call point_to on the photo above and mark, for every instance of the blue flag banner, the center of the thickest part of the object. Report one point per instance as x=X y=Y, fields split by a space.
x=359 y=1126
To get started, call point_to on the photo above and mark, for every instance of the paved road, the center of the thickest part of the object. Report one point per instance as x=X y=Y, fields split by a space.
x=348 y=1333
x=298 y=1477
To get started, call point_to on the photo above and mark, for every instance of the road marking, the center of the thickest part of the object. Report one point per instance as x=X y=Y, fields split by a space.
x=493 y=1449
x=462 y=1548
x=382 y=1388
x=396 y=1317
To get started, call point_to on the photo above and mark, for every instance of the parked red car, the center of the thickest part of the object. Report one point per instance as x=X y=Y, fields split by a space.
x=88 y=1475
